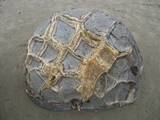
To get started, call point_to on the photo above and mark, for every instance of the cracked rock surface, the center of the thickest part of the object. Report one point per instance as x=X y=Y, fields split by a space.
x=57 y=88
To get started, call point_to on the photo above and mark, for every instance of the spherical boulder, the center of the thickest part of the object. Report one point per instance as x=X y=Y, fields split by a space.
x=82 y=60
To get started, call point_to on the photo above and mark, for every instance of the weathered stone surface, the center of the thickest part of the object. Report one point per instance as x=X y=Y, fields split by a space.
x=59 y=50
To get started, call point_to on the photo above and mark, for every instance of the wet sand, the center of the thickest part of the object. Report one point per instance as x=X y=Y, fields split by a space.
x=19 y=19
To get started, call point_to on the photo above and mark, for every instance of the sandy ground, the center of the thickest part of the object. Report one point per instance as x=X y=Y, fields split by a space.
x=18 y=20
